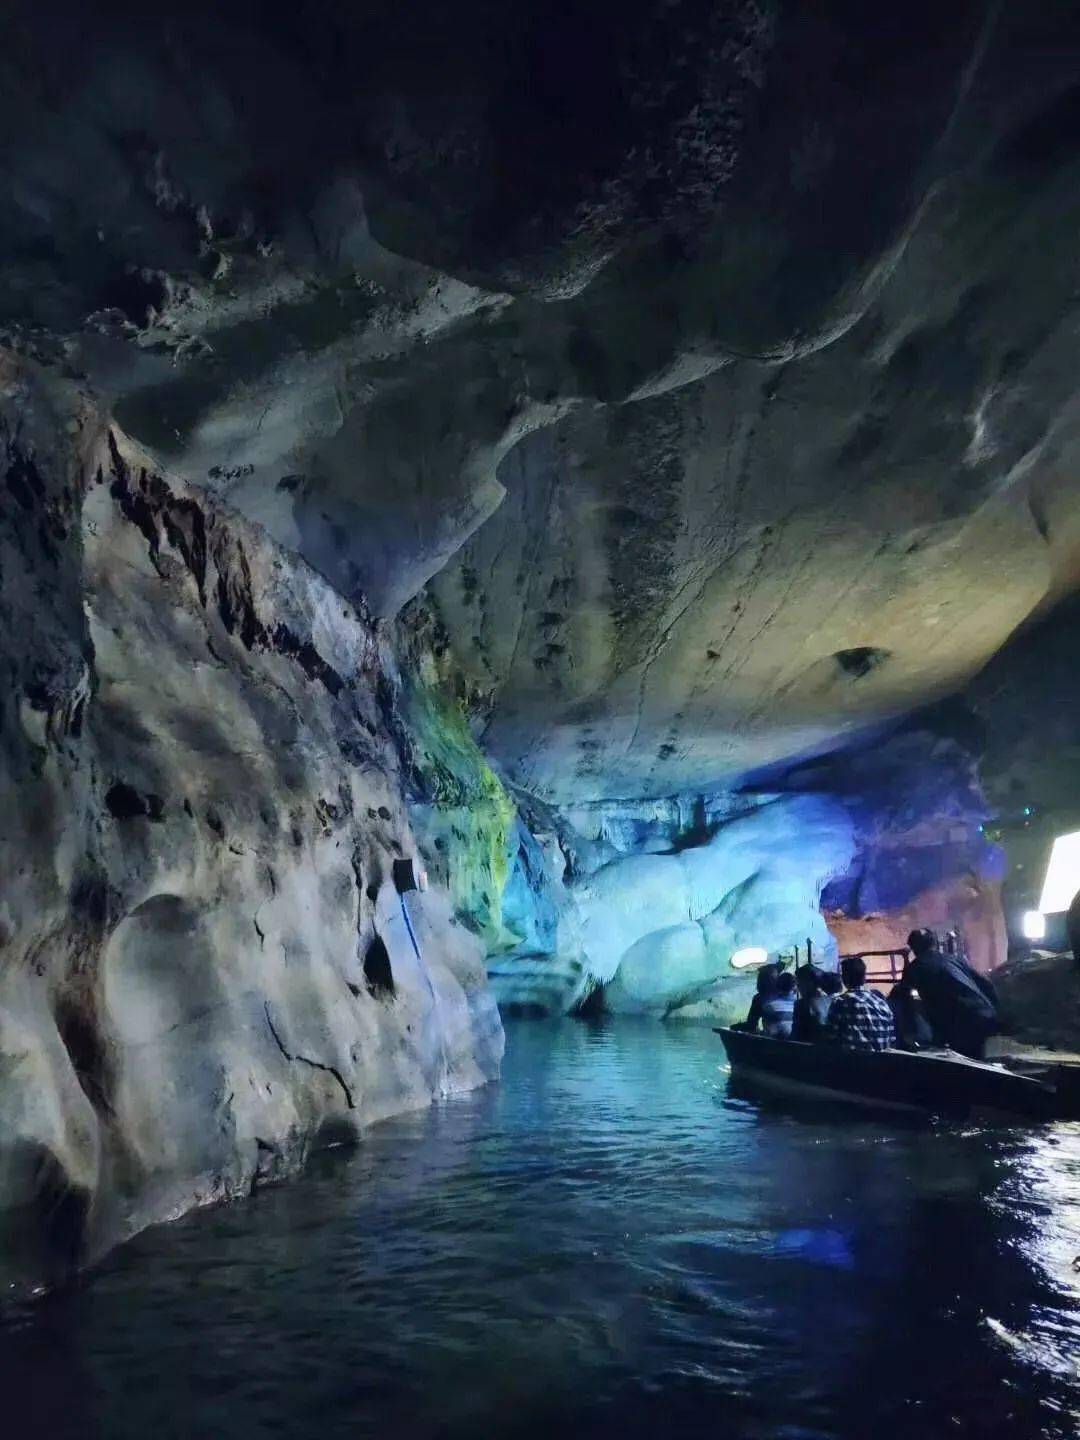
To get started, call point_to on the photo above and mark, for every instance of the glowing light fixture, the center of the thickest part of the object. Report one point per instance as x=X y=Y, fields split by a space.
x=1033 y=925
x=752 y=956
x=1062 y=874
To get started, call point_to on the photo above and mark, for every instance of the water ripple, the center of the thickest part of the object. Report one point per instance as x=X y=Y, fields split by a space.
x=610 y=1243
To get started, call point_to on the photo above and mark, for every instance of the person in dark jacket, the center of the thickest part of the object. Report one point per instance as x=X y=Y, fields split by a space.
x=912 y=1027
x=960 y=1004
x=812 y=1006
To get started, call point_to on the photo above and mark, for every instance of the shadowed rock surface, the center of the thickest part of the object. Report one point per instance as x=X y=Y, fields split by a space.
x=206 y=970
x=788 y=296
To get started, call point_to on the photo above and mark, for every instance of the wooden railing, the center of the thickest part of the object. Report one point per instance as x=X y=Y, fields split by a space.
x=890 y=969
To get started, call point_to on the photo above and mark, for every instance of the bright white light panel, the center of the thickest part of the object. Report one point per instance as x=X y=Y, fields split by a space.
x=1062 y=875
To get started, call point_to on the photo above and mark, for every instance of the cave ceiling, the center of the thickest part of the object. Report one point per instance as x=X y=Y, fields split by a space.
x=711 y=364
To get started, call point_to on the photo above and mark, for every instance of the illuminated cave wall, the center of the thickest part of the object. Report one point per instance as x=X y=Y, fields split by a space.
x=465 y=821
x=924 y=856
x=638 y=909
x=925 y=851
x=957 y=812
x=636 y=906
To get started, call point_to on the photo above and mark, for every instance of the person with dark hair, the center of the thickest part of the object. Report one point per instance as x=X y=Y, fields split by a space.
x=778 y=1011
x=813 y=1005
x=860 y=1019
x=767 y=978
x=960 y=1004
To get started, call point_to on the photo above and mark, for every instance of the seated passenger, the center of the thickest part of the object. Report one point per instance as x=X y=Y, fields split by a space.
x=767 y=977
x=812 y=1006
x=778 y=1011
x=860 y=1019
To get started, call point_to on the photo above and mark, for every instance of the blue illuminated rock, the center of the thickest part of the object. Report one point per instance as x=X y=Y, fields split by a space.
x=659 y=930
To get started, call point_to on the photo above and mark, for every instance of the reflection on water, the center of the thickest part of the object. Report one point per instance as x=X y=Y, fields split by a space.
x=609 y=1243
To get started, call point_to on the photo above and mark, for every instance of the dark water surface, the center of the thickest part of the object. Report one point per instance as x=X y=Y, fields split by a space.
x=606 y=1244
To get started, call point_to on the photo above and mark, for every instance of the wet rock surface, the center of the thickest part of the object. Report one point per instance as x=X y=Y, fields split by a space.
x=206 y=966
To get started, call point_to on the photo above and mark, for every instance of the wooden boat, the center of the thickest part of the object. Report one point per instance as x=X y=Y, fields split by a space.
x=934 y=1080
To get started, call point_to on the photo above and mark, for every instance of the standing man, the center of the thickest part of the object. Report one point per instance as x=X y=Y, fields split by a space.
x=860 y=1019
x=960 y=1004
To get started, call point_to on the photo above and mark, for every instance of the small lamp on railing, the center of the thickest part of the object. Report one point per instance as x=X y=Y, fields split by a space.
x=750 y=958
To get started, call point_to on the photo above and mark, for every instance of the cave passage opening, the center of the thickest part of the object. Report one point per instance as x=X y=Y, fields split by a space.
x=378 y=971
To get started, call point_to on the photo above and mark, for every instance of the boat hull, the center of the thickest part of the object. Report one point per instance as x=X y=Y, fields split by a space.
x=922 y=1080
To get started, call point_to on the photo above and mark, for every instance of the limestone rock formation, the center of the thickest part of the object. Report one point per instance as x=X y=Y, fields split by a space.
x=786 y=538
x=757 y=313
x=518 y=428
x=206 y=968
x=464 y=818
x=659 y=930
x=646 y=920
x=639 y=906
x=923 y=856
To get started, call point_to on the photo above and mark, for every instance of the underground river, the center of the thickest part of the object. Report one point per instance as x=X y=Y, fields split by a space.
x=609 y=1242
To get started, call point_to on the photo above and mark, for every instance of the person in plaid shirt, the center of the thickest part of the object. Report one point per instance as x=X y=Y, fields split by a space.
x=860 y=1019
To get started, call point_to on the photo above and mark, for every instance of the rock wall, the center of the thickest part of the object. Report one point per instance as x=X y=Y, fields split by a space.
x=204 y=965
x=464 y=817
x=638 y=906
x=1041 y=996
x=923 y=855
x=713 y=360
x=650 y=926
x=659 y=930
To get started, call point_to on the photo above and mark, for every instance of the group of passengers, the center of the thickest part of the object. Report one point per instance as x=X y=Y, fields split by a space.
x=939 y=1000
